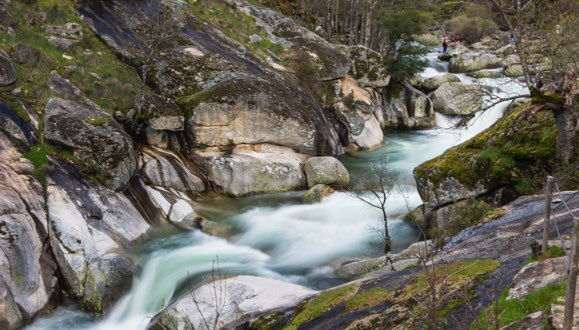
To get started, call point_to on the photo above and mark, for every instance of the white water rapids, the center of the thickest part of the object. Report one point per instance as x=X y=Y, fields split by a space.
x=279 y=238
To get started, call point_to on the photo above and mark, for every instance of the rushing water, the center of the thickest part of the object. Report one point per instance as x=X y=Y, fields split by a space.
x=278 y=237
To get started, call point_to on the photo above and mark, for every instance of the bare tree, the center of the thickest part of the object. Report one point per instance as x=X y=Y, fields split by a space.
x=375 y=188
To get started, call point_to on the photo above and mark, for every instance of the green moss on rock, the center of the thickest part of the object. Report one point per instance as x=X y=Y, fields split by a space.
x=367 y=299
x=502 y=155
x=269 y=322
x=320 y=304
x=89 y=64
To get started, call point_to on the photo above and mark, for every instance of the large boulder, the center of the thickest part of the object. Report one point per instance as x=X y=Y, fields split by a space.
x=226 y=91
x=7 y=71
x=326 y=170
x=253 y=111
x=468 y=62
x=457 y=99
x=244 y=298
x=255 y=169
x=433 y=83
x=497 y=159
x=87 y=238
x=99 y=144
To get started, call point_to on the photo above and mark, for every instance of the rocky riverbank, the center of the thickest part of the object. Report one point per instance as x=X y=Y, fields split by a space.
x=115 y=116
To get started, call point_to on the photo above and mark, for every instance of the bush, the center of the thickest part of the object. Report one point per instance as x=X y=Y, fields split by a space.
x=470 y=29
x=466 y=214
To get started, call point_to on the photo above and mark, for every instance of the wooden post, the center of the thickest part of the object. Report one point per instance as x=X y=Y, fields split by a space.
x=572 y=281
x=548 y=199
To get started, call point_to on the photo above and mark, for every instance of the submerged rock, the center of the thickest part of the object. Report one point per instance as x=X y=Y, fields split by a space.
x=326 y=170
x=317 y=193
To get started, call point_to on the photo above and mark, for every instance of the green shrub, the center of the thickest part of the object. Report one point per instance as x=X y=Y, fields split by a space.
x=470 y=29
x=467 y=213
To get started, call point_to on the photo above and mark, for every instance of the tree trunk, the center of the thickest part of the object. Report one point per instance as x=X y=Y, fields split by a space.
x=329 y=18
x=387 y=239
x=566 y=120
x=353 y=22
x=369 y=18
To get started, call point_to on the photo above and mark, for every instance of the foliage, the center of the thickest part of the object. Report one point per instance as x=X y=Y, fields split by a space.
x=516 y=309
x=467 y=213
x=37 y=156
x=320 y=304
x=554 y=251
x=304 y=67
x=403 y=57
x=470 y=29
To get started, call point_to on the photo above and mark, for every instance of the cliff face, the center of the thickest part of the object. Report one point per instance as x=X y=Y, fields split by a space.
x=115 y=114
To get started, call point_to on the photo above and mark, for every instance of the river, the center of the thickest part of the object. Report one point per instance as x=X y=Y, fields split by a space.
x=278 y=237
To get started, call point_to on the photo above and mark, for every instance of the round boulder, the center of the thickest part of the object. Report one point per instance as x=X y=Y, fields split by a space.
x=457 y=99
x=433 y=83
x=317 y=193
x=469 y=62
x=326 y=170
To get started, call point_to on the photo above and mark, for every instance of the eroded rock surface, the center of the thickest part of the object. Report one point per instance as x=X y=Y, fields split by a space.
x=88 y=239
x=27 y=270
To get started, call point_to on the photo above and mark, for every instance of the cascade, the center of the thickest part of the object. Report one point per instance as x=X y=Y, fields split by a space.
x=285 y=239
